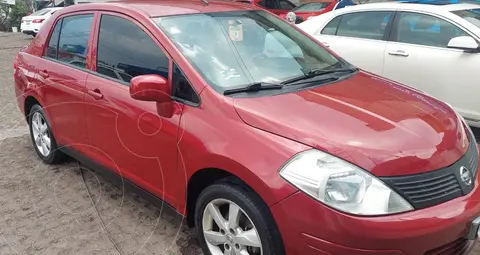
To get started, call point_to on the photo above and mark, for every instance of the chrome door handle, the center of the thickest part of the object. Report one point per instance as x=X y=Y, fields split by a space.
x=95 y=94
x=44 y=74
x=326 y=44
x=401 y=53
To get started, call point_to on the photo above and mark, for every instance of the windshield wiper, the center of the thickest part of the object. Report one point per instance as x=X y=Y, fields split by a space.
x=254 y=87
x=318 y=72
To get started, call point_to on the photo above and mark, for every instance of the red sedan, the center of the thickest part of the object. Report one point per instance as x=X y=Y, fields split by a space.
x=311 y=9
x=267 y=143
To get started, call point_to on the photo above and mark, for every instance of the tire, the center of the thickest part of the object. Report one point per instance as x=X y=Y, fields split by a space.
x=250 y=204
x=53 y=155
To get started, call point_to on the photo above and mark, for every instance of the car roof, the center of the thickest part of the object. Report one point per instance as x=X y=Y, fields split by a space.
x=156 y=8
x=51 y=8
x=414 y=6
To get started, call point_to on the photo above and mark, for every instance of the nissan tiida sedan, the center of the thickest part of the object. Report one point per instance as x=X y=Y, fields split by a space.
x=264 y=141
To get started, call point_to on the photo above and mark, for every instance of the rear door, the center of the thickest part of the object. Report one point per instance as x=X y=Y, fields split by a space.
x=62 y=73
x=418 y=56
x=359 y=37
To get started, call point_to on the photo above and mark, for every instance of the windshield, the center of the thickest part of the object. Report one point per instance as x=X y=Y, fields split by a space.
x=471 y=15
x=310 y=7
x=234 y=49
x=41 y=12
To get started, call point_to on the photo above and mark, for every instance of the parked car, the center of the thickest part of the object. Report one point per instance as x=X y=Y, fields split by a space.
x=32 y=23
x=263 y=140
x=275 y=6
x=433 y=48
x=309 y=10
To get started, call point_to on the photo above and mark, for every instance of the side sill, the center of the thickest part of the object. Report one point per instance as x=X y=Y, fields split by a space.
x=117 y=180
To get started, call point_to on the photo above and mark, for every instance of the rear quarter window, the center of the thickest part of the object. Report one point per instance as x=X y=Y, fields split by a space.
x=52 y=47
x=331 y=27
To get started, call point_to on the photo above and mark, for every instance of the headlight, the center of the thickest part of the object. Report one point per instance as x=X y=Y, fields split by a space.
x=465 y=123
x=342 y=185
x=462 y=119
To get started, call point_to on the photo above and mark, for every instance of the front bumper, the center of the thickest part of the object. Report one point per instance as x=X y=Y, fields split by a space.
x=311 y=228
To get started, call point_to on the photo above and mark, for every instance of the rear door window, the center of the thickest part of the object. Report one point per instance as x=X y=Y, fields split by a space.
x=73 y=42
x=125 y=51
x=269 y=4
x=286 y=5
x=367 y=25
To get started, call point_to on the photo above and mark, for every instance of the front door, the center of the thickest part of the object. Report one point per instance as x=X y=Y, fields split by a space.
x=130 y=137
x=62 y=73
x=418 y=56
x=359 y=38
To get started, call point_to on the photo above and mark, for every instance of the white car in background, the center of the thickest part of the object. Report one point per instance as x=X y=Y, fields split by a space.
x=32 y=23
x=434 y=48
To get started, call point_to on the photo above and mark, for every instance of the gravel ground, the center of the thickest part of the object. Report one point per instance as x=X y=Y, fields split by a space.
x=47 y=210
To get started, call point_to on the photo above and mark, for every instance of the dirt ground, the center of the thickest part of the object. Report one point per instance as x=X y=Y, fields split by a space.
x=47 y=210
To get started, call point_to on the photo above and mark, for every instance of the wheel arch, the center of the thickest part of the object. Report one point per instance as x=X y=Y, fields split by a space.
x=30 y=101
x=202 y=179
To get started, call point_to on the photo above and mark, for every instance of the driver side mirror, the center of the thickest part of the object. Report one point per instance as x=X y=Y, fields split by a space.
x=151 y=87
x=465 y=43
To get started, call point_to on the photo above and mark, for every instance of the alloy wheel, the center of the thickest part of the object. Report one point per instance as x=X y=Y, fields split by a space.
x=41 y=134
x=228 y=230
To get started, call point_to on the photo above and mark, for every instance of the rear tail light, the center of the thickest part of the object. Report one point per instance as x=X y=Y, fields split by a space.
x=38 y=20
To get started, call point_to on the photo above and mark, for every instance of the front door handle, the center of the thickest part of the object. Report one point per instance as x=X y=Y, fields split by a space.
x=96 y=94
x=44 y=74
x=400 y=53
x=326 y=44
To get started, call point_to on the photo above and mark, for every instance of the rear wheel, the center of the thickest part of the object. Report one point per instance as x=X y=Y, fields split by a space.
x=42 y=137
x=231 y=219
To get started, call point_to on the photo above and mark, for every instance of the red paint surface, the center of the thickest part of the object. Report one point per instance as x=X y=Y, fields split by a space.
x=384 y=128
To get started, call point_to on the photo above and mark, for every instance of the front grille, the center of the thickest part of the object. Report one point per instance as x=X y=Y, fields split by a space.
x=436 y=187
x=457 y=247
x=472 y=160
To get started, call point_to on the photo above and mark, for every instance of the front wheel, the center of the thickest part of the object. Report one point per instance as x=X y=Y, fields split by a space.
x=231 y=219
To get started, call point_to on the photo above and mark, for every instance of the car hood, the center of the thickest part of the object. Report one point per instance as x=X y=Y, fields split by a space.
x=385 y=128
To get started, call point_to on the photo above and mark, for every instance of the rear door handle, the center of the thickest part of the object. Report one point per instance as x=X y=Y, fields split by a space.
x=400 y=53
x=44 y=74
x=96 y=94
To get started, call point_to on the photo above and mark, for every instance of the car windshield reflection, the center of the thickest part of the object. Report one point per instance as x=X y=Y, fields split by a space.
x=233 y=49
